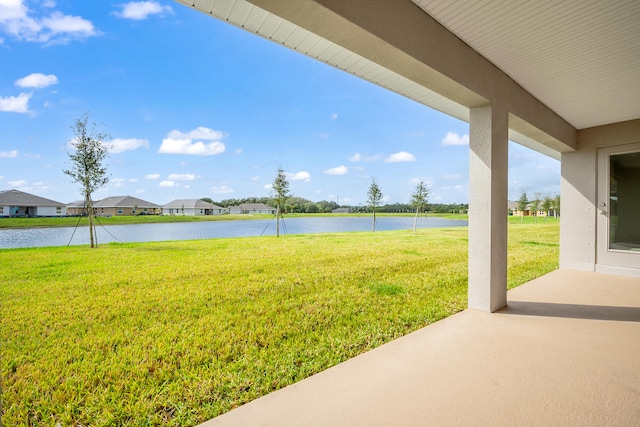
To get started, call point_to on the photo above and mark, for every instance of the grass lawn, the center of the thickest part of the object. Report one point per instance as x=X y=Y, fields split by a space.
x=175 y=333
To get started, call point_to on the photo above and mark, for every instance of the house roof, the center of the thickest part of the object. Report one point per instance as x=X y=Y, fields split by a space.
x=76 y=204
x=559 y=66
x=191 y=204
x=123 y=202
x=20 y=198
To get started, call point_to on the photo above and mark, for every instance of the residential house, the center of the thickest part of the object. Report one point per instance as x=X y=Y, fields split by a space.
x=15 y=203
x=252 y=208
x=528 y=211
x=341 y=211
x=560 y=78
x=76 y=208
x=191 y=207
x=125 y=205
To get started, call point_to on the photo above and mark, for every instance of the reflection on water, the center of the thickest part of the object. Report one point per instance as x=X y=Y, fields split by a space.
x=62 y=236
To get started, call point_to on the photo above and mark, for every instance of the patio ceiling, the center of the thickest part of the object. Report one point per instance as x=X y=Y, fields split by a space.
x=578 y=60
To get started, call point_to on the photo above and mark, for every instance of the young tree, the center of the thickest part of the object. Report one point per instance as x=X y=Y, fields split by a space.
x=87 y=164
x=419 y=200
x=374 y=198
x=547 y=205
x=535 y=206
x=281 y=189
x=523 y=202
x=556 y=206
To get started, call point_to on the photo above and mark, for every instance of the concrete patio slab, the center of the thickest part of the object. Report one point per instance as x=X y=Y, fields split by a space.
x=566 y=351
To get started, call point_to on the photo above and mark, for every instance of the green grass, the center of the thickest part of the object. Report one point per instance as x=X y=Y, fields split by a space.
x=175 y=333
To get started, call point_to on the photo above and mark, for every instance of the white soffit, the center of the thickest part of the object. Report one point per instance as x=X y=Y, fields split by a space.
x=256 y=20
x=580 y=58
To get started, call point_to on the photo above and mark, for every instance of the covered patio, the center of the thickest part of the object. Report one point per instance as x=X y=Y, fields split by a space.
x=560 y=78
x=566 y=351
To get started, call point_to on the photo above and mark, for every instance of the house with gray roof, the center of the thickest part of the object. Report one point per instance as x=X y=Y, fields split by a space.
x=341 y=211
x=252 y=208
x=15 y=203
x=125 y=205
x=191 y=207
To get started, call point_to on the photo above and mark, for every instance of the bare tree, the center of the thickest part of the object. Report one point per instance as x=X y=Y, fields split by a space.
x=281 y=189
x=374 y=198
x=87 y=164
x=419 y=200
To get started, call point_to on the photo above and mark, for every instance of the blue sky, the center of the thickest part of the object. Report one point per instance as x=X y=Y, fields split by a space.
x=198 y=108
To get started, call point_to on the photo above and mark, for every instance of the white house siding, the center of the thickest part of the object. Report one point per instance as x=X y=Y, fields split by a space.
x=48 y=211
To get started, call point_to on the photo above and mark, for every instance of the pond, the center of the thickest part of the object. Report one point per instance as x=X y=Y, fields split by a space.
x=63 y=236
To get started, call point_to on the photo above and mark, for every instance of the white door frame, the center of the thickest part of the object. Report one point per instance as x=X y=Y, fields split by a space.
x=608 y=260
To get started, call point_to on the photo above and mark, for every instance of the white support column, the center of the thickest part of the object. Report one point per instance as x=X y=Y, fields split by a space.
x=488 y=166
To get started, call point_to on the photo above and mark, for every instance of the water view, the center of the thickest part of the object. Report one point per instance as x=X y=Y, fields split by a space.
x=63 y=236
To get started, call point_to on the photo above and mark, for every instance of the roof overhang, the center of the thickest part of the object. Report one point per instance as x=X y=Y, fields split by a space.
x=403 y=46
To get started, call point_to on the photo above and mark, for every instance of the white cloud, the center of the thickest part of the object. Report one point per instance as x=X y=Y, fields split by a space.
x=178 y=142
x=9 y=154
x=355 y=158
x=426 y=181
x=181 y=177
x=118 y=182
x=358 y=157
x=299 y=176
x=268 y=187
x=338 y=170
x=19 y=183
x=401 y=156
x=334 y=116
x=152 y=176
x=168 y=184
x=453 y=138
x=17 y=20
x=133 y=179
x=119 y=145
x=221 y=189
x=37 y=80
x=237 y=151
x=139 y=10
x=15 y=104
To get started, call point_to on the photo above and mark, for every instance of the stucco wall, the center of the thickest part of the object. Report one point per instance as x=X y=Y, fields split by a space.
x=49 y=211
x=579 y=191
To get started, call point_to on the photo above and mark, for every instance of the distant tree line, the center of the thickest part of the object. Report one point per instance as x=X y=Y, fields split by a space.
x=292 y=204
x=301 y=205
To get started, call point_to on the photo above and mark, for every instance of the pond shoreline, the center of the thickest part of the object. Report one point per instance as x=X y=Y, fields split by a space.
x=71 y=221
x=149 y=232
